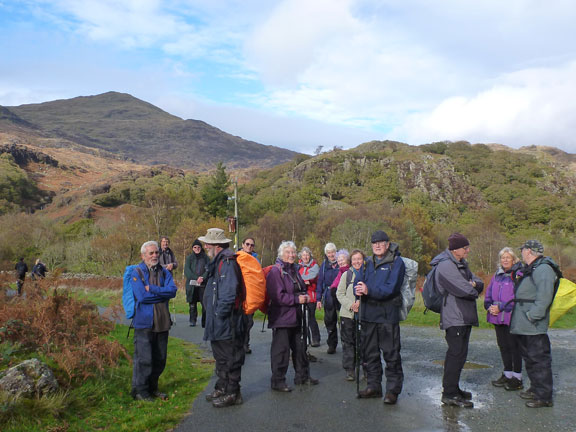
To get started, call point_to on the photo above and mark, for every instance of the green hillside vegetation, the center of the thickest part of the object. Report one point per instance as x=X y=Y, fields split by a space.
x=418 y=194
x=17 y=191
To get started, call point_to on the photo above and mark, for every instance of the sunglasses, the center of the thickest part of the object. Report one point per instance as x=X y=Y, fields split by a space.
x=250 y=244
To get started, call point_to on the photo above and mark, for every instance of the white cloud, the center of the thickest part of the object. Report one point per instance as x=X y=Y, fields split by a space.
x=533 y=106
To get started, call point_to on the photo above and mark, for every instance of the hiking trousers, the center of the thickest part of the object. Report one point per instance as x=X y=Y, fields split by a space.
x=150 y=352
x=348 y=335
x=229 y=355
x=313 y=329
x=509 y=349
x=248 y=324
x=457 y=338
x=331 y=318
x=382 y=338
x=288 y=341
x=538 y=361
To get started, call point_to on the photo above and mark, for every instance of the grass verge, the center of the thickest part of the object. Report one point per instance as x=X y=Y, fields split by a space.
x=105 y=403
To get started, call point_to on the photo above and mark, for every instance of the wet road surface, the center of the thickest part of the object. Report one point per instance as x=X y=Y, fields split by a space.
x=332 y=405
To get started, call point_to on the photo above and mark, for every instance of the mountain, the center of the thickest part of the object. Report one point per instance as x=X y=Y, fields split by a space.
x=127 y=127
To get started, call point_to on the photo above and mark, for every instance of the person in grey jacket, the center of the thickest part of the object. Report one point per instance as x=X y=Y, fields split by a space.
x=460 y=288
x=530 y=319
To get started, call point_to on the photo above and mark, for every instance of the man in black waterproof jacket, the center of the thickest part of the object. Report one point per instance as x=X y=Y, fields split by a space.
x=21 y=269
x=380 y=316
x=460 y=288
x=224 y=318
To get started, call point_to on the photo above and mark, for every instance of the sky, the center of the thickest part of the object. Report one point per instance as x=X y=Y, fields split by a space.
x=300 y=74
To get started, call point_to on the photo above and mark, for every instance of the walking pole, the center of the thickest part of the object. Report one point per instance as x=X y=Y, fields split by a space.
x=263 y=322
x=357 y=343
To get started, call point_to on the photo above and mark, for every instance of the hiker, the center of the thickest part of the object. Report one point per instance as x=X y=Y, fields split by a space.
x=535 y=289
x=153 y=287
x=309 y=272
x=195 y=272
x=167 y=257
x=39 y=270
x=460 y=288
x=327 y=297
x=248 y=245
x=21 y=269
x=349 y=307
x=498 y=301
x=224 y=318
x=381 y=304
x=288 y=298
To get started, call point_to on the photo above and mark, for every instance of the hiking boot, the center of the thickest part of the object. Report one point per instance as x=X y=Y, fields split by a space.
x=192 y=323
x=369 y=393
x=513 y=384
x=227 y=400
x=214 y=395
x=390 y=398
x=500 y=382
x=466 y=395
x=159 y=395
x=307 y=381
x=143 y=397
x=350 y=376
x=315 y=344
x=457 y=401
x=527 y=394
x=331 y=350
x=247 y=349
x=312 y=358
x=283 y=388
x=539 y=403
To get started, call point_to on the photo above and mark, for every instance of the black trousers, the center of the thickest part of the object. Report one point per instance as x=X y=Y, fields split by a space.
x=229 y=355
x=313 y=329
x=537 y=357
x=197 y=298
x=457 y=338
x=286 y=341
x=150 y=352
x=248 y=324
x=348 y=336
x=382 y=338
x=331 y=309
x=509 y=349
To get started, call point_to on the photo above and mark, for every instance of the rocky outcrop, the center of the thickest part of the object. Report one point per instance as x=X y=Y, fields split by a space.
x=31 y=378
x=23 y=155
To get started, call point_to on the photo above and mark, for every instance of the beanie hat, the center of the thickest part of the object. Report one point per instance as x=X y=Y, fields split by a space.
x=457 y=241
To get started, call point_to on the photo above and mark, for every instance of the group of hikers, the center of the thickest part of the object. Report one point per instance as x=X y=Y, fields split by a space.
x=38 y=272
x=365 y=293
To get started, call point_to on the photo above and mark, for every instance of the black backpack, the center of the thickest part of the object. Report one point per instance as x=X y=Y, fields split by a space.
x=433 y=298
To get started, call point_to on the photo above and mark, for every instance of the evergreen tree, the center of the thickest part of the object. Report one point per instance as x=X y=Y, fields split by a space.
x=215 y=192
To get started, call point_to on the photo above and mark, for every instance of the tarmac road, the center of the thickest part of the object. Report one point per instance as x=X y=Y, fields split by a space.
x=332 y=405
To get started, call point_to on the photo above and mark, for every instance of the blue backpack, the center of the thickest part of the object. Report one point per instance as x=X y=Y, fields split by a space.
x=128 y=299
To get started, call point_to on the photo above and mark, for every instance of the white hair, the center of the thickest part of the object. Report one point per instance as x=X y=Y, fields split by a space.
x=307 y=250
x=509 y=251
x=147 y=244
x=284 y=245
x=330 y=247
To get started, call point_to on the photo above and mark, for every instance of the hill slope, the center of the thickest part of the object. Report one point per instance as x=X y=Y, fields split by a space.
x=126 y=126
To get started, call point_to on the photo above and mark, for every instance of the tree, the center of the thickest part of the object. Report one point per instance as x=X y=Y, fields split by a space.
x=215 y=192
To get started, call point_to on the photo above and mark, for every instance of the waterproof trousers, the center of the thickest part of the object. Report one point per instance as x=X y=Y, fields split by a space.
x=538 y=361
x=248 y=324
x=348 y=336
x=229 y=355
x=150 y=352
x=457 y=338
x=286 y=342
x=382 y=338
x=313 y=329
x=331 y=309
x=509 y=349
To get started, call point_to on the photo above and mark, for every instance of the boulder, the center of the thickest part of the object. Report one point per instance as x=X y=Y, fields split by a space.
x=28 y=379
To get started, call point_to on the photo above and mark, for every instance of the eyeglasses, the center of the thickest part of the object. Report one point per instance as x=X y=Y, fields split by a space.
x=154 y=253
x=250 y=244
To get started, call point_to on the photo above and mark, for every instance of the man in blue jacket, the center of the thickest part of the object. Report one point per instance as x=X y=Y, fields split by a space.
x=225 y=319
x=380 y=317
x=153 y=287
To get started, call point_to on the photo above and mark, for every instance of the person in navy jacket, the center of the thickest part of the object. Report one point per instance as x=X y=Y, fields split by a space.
x=153 y=287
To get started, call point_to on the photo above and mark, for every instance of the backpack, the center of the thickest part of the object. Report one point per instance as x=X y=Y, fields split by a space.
x=408 y=287
x=433 y=298
x=253 y=282
x=128 y=299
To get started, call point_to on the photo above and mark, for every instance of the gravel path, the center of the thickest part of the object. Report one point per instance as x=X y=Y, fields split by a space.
x=332 y=405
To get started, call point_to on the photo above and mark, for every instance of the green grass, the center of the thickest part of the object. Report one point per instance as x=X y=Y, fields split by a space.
x=105 y=403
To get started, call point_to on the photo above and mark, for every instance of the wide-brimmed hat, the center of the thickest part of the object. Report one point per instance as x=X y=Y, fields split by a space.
x=214 y=236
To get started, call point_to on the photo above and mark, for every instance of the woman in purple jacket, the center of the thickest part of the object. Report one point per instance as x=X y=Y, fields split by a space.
x=497 y=303
x=288 y=295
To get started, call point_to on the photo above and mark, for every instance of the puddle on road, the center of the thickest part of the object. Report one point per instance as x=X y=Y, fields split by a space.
x=467 y=365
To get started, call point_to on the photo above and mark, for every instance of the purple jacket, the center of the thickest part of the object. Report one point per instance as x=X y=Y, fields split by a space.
x=499 y=292
x=283 y=294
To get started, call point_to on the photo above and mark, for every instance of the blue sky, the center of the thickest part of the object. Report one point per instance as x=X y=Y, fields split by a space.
x=304 y=73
